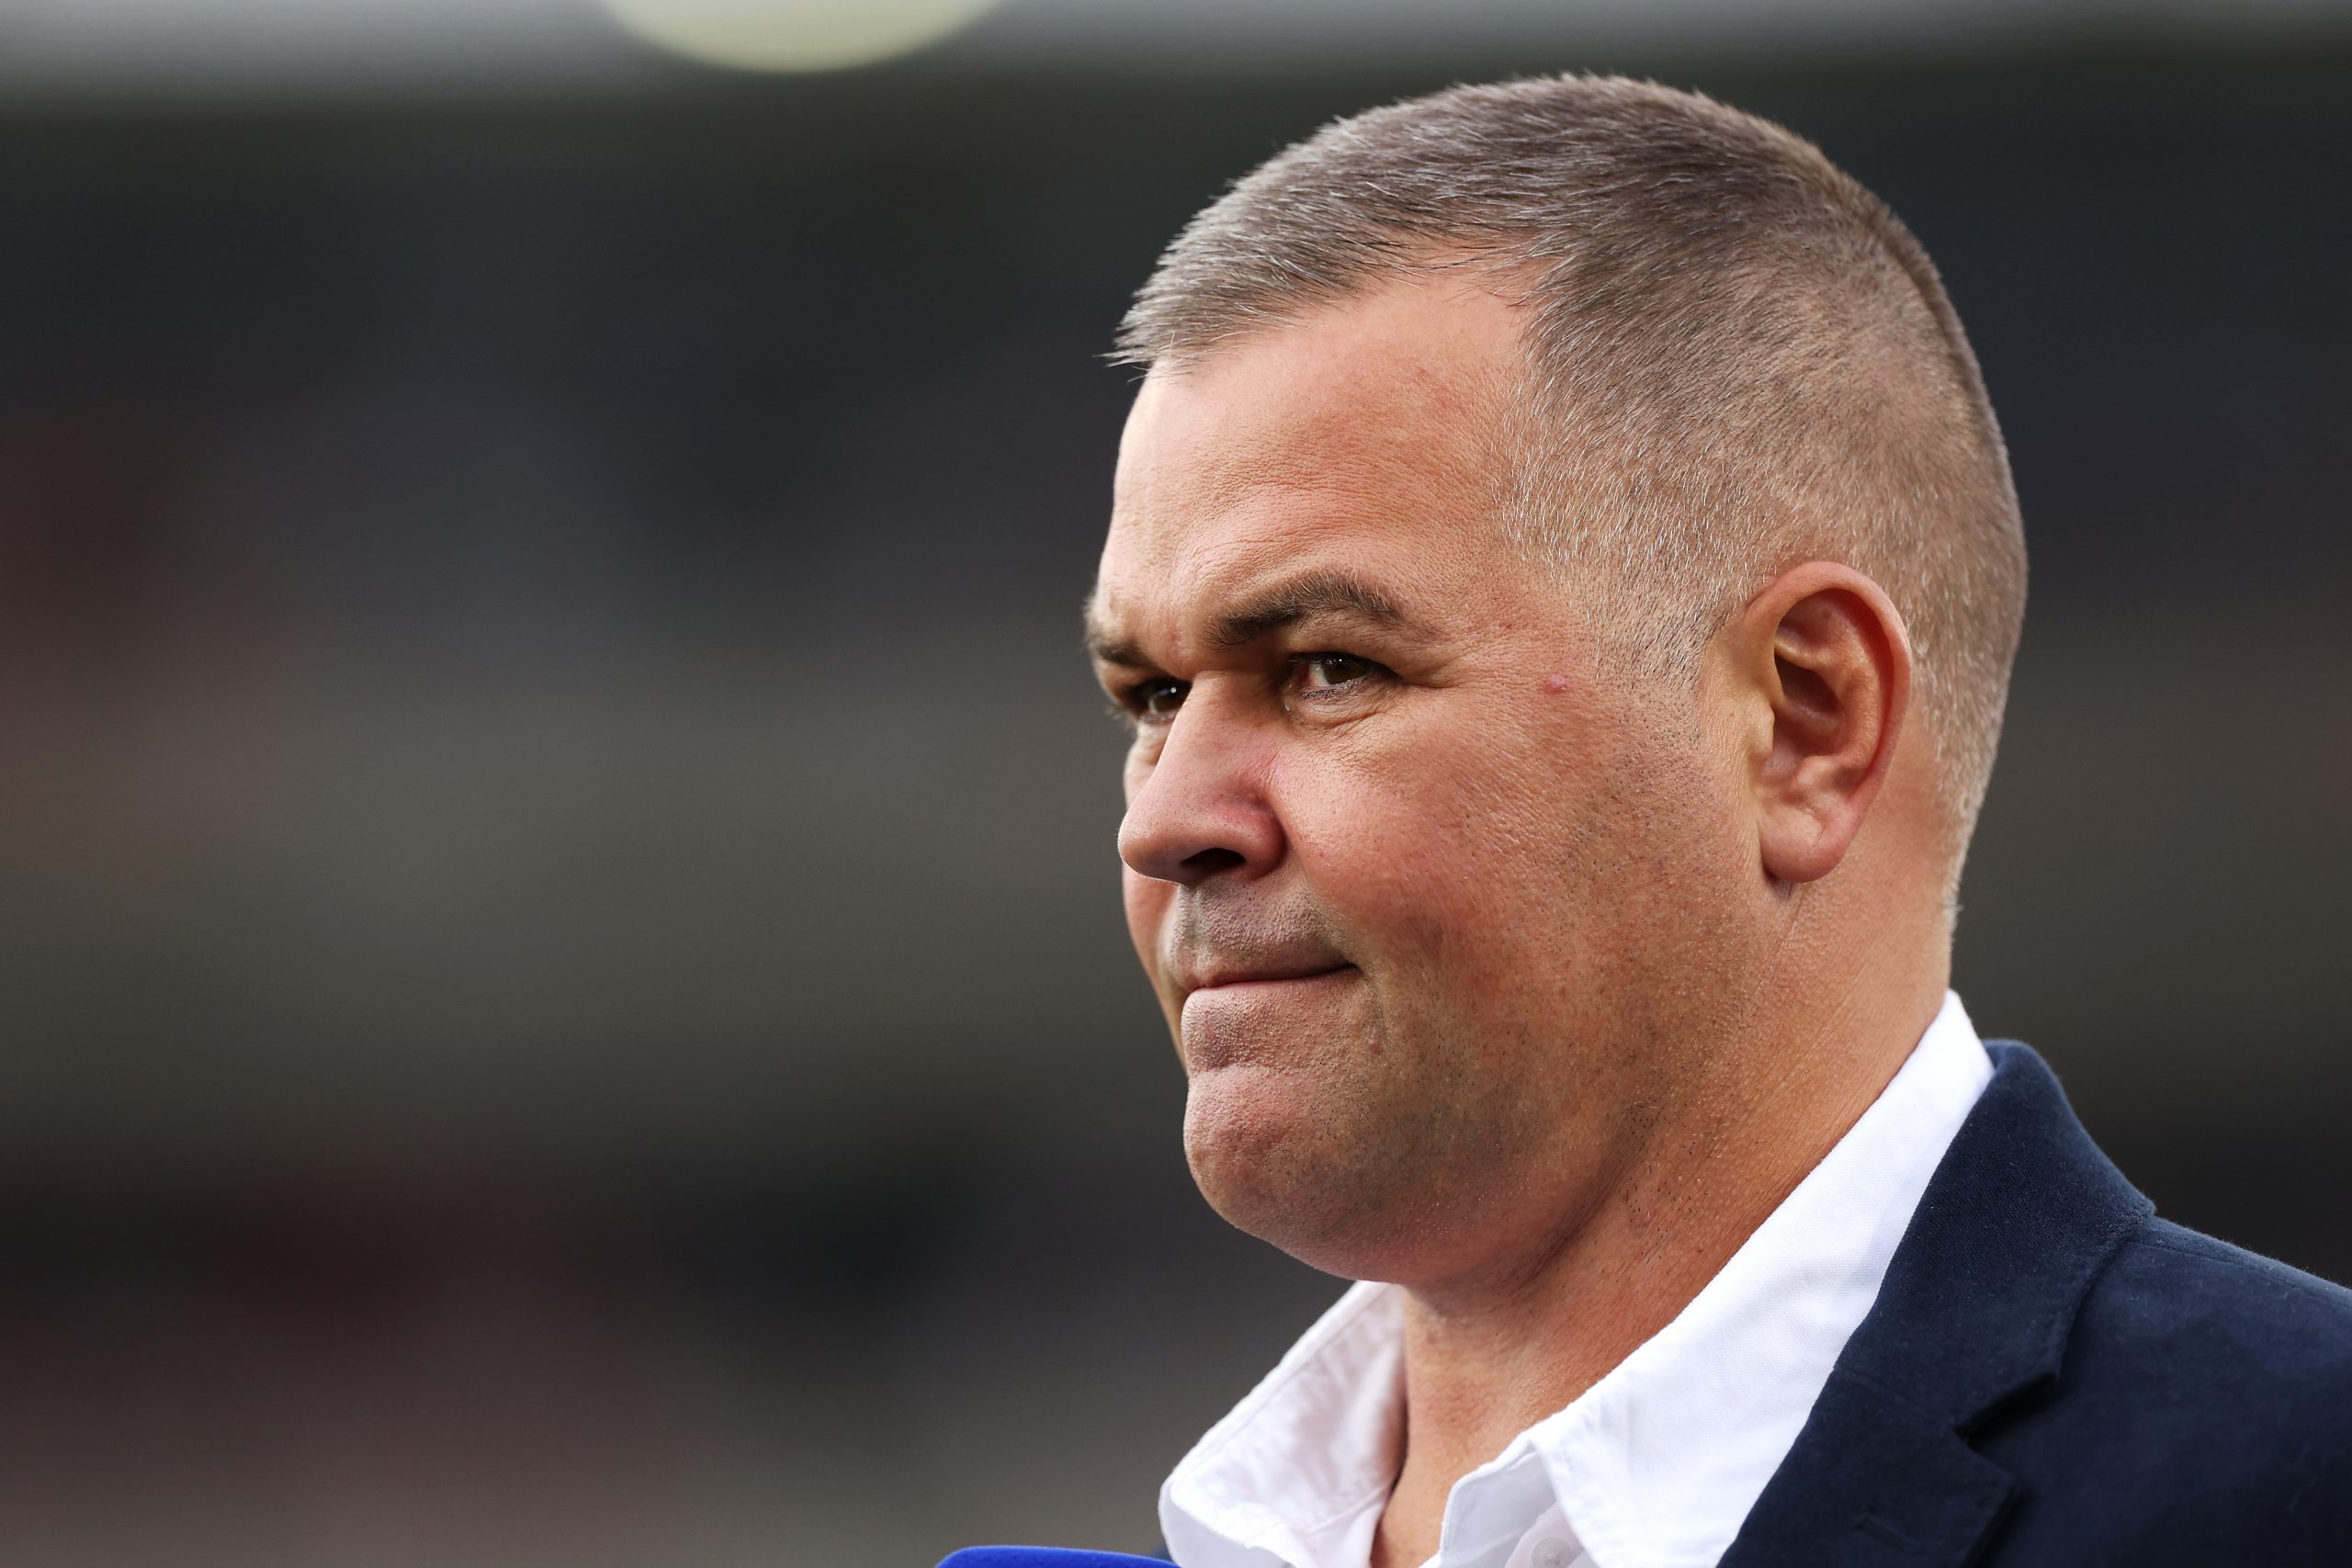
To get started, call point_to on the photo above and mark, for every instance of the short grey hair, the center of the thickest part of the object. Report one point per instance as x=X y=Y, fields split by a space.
x=1738 y=359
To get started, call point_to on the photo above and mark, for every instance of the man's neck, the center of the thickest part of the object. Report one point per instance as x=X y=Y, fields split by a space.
x=1486 y=1360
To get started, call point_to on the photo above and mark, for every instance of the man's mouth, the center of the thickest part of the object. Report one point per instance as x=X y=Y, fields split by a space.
x=1219 y=979
x=1241 y=1012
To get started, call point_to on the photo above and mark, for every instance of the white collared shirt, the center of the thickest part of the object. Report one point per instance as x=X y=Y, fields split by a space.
x=1656 y=1465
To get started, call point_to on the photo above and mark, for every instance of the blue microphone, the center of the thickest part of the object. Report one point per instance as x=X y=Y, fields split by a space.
x=1044 y=1557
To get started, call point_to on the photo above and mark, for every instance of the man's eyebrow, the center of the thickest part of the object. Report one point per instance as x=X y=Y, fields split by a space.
x=1320 y=592
x=1105 y=644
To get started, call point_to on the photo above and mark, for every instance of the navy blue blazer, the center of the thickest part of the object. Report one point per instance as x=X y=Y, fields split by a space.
x=2052 y=1376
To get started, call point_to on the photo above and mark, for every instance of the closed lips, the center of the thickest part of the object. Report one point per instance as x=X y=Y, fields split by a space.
x=1306 y=971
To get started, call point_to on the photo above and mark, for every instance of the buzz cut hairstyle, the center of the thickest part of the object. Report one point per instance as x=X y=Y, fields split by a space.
x=1736 y=359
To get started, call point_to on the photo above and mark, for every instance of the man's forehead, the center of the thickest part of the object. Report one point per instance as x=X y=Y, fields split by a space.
x=1372 y=421
x=1274 y=545
x=1410 y=376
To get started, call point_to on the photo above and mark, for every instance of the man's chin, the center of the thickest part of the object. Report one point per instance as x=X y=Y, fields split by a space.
x=1271 y=1156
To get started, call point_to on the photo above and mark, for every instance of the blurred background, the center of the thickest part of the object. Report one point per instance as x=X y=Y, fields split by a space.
x=561 y=999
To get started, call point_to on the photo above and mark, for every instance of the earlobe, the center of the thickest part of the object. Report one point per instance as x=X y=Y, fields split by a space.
x=1831 y=662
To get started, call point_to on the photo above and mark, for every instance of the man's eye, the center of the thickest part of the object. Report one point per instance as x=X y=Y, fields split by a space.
x=1158 y=699
x=1323 y=671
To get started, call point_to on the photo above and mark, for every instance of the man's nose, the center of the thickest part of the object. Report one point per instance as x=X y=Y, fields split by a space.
x=1202 y=811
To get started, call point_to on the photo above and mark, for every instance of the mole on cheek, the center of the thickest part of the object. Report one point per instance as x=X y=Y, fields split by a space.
x=1555 y=685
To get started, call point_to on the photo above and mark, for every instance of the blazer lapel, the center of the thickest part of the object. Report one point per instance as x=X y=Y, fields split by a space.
x=2014 y=1226
x=1885 y=1484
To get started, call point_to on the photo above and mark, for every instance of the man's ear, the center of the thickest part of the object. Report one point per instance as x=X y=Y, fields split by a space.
x=1824 y=662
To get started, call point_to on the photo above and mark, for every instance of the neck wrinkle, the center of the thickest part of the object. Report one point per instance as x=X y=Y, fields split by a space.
x=1488 y=1358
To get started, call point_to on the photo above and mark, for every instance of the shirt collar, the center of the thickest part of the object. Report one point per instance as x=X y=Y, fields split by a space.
x=1657 y=1464
x=1297 y=1473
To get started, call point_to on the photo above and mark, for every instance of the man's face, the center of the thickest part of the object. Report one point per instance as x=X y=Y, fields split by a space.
x=1423 y=890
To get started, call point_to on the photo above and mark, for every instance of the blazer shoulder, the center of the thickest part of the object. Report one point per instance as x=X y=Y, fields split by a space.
x=2161 y=1262
x=2227 y=1328
x=2201 y=1411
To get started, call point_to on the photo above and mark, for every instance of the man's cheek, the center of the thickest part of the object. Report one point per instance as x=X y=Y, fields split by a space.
x=1394 y=848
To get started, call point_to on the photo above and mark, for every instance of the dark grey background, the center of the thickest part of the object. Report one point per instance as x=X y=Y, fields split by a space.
x=562 y=992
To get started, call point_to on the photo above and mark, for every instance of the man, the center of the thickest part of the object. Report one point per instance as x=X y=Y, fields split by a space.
x=1562 y=579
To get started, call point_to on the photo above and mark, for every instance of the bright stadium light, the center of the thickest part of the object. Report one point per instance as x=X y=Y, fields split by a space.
x=795 y=35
